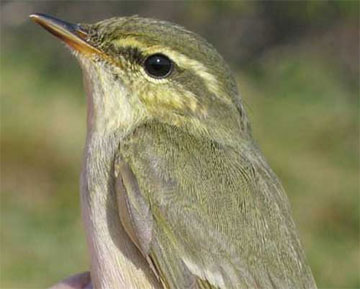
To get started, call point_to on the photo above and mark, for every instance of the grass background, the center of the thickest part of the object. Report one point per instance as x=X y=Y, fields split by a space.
x=297 y=65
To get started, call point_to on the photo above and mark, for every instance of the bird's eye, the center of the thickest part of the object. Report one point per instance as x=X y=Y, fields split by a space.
x=158 y=66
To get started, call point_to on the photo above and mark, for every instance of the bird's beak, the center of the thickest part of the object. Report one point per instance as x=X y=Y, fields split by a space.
x=71 y=34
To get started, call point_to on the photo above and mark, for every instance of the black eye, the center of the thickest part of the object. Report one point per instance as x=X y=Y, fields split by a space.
x=158 y=66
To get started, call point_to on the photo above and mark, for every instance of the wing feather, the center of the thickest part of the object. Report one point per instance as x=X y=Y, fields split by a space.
x=208 y=216
x=138 y=224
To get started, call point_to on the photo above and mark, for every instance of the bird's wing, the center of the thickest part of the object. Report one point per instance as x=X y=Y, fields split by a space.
x=138 y=221
x=207 y=216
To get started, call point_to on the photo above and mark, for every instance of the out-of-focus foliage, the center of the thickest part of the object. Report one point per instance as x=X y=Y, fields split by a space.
x=297 y=65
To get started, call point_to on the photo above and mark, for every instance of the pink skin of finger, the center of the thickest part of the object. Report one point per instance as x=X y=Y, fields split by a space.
x=78 y=281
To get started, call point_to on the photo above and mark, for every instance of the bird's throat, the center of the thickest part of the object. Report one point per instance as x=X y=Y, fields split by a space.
x=112 y=108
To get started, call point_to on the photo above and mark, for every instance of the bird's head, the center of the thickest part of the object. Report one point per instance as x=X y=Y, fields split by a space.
x=138 y=70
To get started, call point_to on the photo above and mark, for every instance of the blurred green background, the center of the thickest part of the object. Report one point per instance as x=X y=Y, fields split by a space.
x=297 y=65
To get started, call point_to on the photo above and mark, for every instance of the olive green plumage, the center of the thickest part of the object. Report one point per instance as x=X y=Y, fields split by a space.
x=220 y=208
x=172 y=171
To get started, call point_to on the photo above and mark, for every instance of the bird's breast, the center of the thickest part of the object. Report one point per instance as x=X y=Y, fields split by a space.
x=115 y=261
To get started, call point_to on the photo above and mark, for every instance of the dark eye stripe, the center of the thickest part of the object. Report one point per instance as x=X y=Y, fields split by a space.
x=156 y=65
x=132 y=54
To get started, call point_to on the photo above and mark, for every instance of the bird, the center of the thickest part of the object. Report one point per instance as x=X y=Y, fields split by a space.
x=175 y=192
